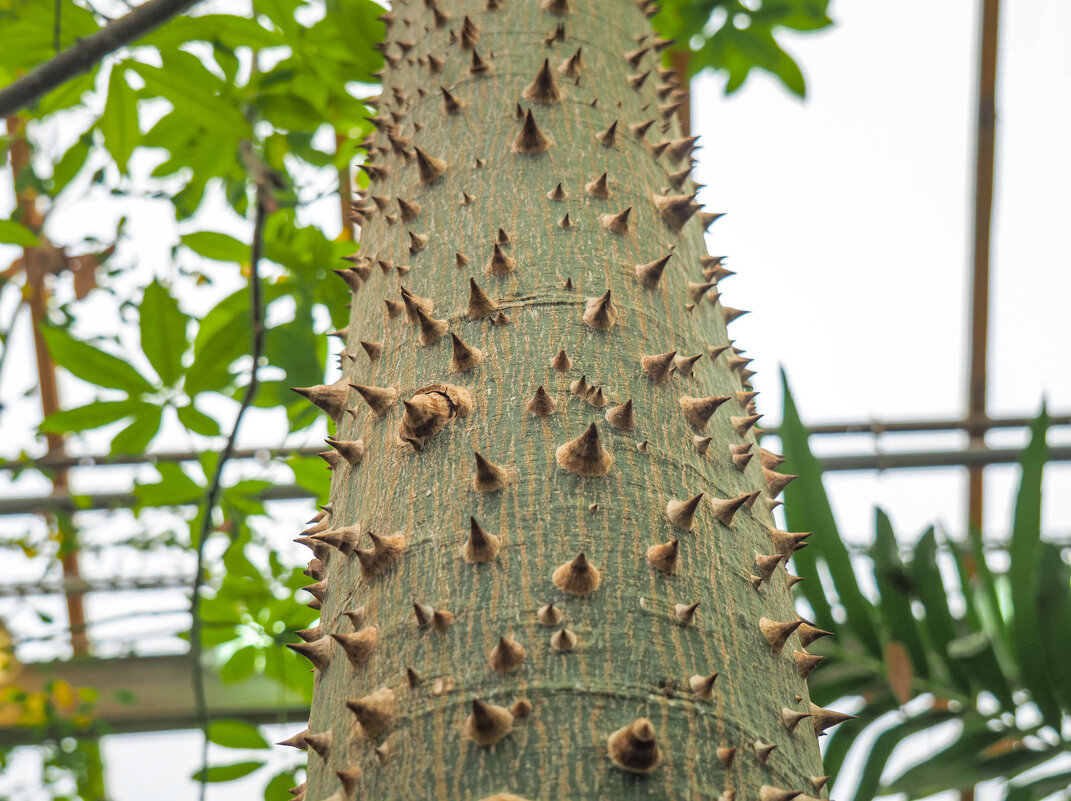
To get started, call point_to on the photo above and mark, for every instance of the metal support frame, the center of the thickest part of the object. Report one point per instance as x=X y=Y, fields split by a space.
x=162 y=698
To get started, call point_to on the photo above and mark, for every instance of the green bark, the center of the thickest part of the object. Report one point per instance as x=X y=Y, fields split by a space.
x=632 y=657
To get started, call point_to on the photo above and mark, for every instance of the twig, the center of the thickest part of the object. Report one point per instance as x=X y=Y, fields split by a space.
x=257 y=315
x=82 y=55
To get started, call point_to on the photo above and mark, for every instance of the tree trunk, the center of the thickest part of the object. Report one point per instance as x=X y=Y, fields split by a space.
x=452 y=676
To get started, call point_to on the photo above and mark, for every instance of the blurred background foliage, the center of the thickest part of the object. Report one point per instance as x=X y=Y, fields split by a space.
x=934 y=638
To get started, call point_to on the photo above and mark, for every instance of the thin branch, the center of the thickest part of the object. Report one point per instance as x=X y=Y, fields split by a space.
x=84 y=54
x=256 y=308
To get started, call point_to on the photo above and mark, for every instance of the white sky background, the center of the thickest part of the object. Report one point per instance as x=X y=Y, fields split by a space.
x=849 y=226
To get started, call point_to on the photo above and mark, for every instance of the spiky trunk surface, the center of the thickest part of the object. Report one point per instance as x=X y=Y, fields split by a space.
x=550 y=487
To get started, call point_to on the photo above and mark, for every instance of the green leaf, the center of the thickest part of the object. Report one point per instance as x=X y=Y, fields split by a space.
x=241 y=665
x=192 y=90
x=278 y=788
x=135 y=438
x=92 y=415
x=1024 y=551
x=952 y=767
x=930 y=589
x=1039 y=788
x=163 y=332
x=210 y=371
x=230 y=29
x=894 y=585
x=71 y=163
x=1054 y=611
x=14 y=233
x=236 y=734
x=174 y=487
x=119 y=122
x=807 y=508
x=217 y=246
x=883 y=747
x=227 y=773
x=92 y=365
x=197 y=421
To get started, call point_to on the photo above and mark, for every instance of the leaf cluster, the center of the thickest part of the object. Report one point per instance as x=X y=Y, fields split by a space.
x=946 y=637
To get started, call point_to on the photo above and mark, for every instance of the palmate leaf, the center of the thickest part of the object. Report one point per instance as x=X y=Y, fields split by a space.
x=119 y=122
x=807 y=508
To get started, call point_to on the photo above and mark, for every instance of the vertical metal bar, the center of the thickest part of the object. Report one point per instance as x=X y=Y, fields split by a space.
x=985 y=141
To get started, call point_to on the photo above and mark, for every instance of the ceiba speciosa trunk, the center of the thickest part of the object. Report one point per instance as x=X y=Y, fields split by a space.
x=549 y=569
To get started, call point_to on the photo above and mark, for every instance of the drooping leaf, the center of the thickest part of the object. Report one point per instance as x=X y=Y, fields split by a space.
x=227 y=773
x=15 y=233
x=135 y=438
x=1024 y=552
x=236 y=734
x=163 y=332
x=217 y=246
x=93 y=415
x=806 y=504
x=930 y=588
x=882 y=748
x=119 y=122
x=197 y=421
x=93 y=365
x=894 y=586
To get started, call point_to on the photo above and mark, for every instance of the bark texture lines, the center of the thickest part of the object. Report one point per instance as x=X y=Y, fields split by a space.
x=633 y=657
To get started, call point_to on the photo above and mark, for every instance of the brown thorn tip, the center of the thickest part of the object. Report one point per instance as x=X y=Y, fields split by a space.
x=463 y=357
x=544 y=88
x=685 y=613
x=826 y=718
x=616 y=223
x=530 y=141
x=499 y=263
x=682 y=513
x=374 y=711
x=508 y=655
x=563 y=640
x=549 y=615
x=431 y=168
x=633 y=747
x=489 y=476
x=585 y=455
x=480 y=546
x=488 y=723
x=776 y=633
x=676 y=210
x=698 y=411
x=577 y=576
x=664 y=556
x=360 y=645
x=651 y=273
x=622 y=417
x=703 y=686
x=541 y=404
x=480 y=305
x=600 y=313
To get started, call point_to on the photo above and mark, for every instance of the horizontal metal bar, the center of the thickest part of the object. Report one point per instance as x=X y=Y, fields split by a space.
x=161 y=691
x=879 y=427
x=970 y=457
x=79 y=585
x=835 y=463
x=874 y=427
x=117 y=500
